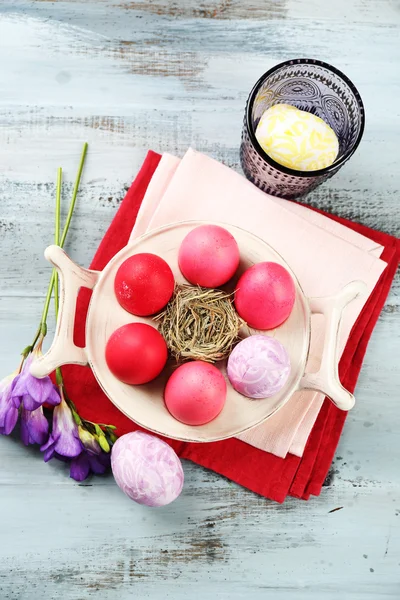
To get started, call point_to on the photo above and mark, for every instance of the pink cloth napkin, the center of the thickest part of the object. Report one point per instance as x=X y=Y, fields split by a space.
x=324 y=254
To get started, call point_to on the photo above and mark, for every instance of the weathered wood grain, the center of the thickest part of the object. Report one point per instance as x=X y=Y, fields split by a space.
x=218 y=541
x=127 y=76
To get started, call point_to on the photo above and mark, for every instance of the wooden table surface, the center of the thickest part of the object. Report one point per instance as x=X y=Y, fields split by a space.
x=127 y=76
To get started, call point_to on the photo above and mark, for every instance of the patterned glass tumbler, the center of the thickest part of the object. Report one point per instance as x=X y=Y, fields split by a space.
x=313 y=86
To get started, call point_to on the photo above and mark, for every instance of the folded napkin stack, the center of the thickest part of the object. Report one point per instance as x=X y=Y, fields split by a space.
x=289 y=454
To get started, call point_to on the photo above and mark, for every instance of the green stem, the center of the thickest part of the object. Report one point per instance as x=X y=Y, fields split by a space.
x=29 y=349
x=57 y=232
x=59 y=377
x=74 y=194
x=43 y=322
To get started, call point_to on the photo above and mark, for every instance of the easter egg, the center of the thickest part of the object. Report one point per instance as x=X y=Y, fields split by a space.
x=144 y=283
x=258 y=366
x=209 y=256
x=146 y=469
x=136 y=353
x=265 y=295
x=195 y=393
x=297 y=139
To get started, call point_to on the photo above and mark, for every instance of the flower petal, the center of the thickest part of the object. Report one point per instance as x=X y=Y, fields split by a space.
x=70 y=447
x=8 y=411
x=49 y=453
x=34 y=391
x=25 y=432
x=34 y=426
x=38 y=389
x=80 y=467
x=7 y=383
x=10 y=420
x=29 y=403
x=54 y=397
x=16 y=400
x=18 y=387
x=97 y=464
x=46 y=446
x=64 y=427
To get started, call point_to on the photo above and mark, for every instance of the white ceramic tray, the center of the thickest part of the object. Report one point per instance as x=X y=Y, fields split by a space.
x=144 y=404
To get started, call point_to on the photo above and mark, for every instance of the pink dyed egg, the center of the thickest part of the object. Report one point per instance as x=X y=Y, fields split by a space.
x=258 y=367
x=146 y=469
x=195 y=393
x=136 y=353
x=144 y=284
x=265 y=295
x=209 y=256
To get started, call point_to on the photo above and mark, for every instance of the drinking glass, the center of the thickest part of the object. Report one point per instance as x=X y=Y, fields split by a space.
x=313 y=86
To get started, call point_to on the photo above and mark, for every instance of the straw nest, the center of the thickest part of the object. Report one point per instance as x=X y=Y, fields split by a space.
x=199 y=324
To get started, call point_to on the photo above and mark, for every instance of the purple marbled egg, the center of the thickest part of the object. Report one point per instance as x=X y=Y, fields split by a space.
x=146 y=469
x=258 y=366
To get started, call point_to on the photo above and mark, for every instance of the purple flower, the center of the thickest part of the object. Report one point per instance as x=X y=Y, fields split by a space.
x=31 y=391
x=91 y=459
x=87 y=462
x=34 y=426
x=8 y=406
x=64 y=439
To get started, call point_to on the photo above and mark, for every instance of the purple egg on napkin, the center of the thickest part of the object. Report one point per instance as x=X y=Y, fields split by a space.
x=146 y=469
x=258 y=366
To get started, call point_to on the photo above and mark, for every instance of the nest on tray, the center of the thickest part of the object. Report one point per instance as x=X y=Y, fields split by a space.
x=199 y=324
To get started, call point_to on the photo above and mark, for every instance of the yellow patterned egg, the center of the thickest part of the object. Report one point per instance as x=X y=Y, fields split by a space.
x=297 y=139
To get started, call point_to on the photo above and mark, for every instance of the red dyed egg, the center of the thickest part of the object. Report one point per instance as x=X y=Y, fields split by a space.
x=144 y=283
x=136 y=353
x=209 y=256
x=195 y=393
x=265 y=295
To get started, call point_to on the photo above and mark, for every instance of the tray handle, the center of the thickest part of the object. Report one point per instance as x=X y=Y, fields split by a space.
x=63 y=350
x=326 y=380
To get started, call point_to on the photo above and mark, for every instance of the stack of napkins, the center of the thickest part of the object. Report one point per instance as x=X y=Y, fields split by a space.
x=324 y=255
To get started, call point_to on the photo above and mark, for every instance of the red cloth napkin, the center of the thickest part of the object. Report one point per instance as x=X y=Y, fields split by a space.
x=260 y=471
